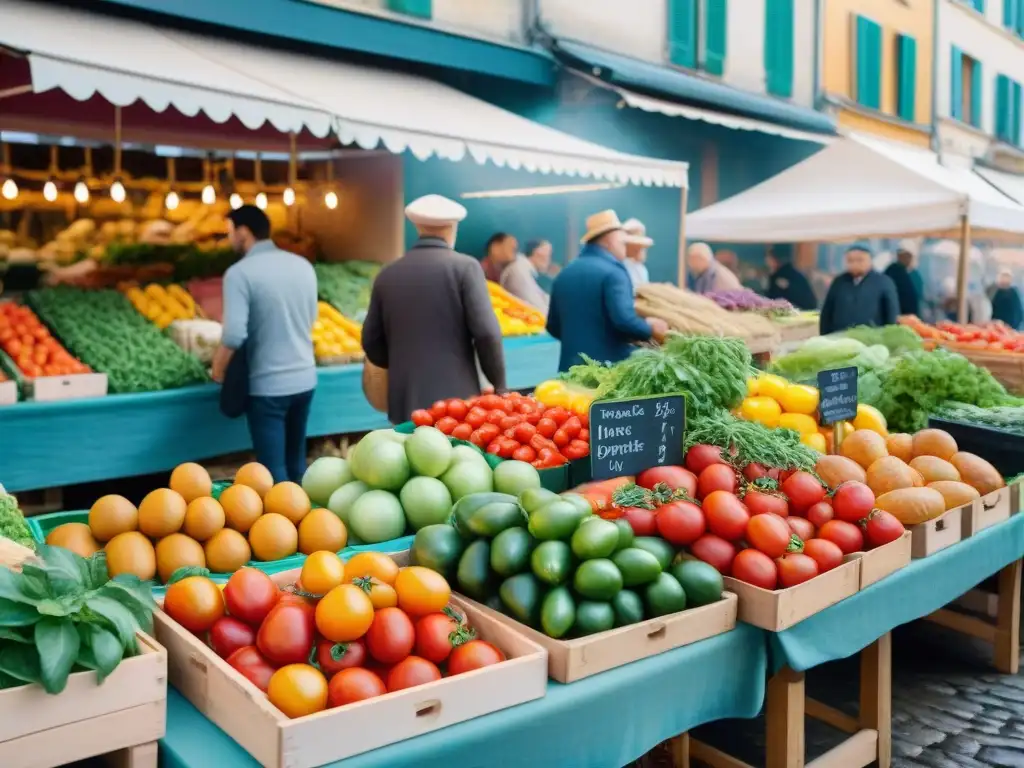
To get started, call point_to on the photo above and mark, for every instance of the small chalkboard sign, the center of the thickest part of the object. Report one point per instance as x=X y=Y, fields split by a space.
x=837 y=395
x=630 y=436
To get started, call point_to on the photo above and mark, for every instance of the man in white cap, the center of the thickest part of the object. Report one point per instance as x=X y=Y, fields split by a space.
x=706 y=274
x=592 y=310
x=430 y=317
x=637 y=243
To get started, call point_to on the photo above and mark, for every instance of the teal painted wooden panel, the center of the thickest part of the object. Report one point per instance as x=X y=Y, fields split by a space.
x=1015 y=113
x=907 y=92
x=421 y=9
x=682 y=33
x=1004 y=107
x=716 y=13
x=979 y=5
x=956 y=83
x=1010 y=10
x=976 y=93
x=869 y=63
x=778 y=47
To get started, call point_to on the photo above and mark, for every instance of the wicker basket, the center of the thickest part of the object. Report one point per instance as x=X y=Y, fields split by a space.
x=375 y=386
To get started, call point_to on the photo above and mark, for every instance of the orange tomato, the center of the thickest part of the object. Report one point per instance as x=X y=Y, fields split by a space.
x=194 y=602
x=344 y=614
x=322 y=572
x=374 y=564
x=298 y=690
x=381 y=595
x=421 y=591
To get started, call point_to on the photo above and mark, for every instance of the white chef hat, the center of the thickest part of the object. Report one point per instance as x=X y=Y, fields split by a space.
x=434 y=211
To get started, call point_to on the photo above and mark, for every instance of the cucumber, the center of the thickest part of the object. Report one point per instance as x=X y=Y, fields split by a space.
x=557 y=612
x=437 y=547
x=533 y=499
x=551 y=562
x=638 y=566
x=493 y=518
x=474 y=571
x=510 y=551
x=664 y=595
x=626 y=534
x=556 y=520
x=629 y=608
x=702 y=582
x=597 y=580
x=467 y=506
x=660 y=548
x=593 y=617
x=595 y=538
x=521 y=595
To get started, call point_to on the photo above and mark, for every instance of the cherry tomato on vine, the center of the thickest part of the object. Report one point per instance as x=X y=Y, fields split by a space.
x=334 y=657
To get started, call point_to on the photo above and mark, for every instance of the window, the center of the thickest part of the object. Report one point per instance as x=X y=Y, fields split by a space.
x=1013 y=16
x=418 y=8
x=778 y=47
x=965 y=88
x=698 y=33
x=1008 y=110
x=906 y=77
x=867 y=67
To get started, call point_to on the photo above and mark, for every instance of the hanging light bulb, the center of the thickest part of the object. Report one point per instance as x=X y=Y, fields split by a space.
x=50 y=191
x=117 y=193
x=289 y=196
x=235 y=201
x=261 y=201
x=331 y=200
x=172 y=200
x=81 y=192
x=9 y=190
x=209 y=195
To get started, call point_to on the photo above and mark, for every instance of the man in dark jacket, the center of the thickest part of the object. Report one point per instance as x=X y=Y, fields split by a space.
x=1006 y=304
x=899 y=272
x=786 y=281
x=592 y=309
x=430 y=317
x=859 y=296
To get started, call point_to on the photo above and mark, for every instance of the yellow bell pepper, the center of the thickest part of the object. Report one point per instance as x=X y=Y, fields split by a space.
x=798 y=422
x=816 y=441
x=771 y=386
x=798 y=398
x=870 y=418
x=763 y=410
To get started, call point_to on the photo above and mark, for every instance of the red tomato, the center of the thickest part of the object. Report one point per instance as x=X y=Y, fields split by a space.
x=717 y=477
x=250 y=594
x=508 y=448
x=510 y=422
x=476 y=417
x=796 y=569
x=422 y=418
x=770 y=534
x=457 y=409
x=434 y=636
x=439 y=410
x=495 y=416
x=447 y=424
x=491 y=402
x=560 y=438
x=462 y=432
x=853 y=501
x=410 y=672
x=228 y=634
x=680 y=522
x=473 y=655
x=881 y=528
x=700 y=457
x=249 y=663
x=825 y=553
x=525 y=431
x=286 y=635
x=755 y=567
x=715 y=551
x=557 y=415
x=577 y=449
x=755 y=471
x=801 y=526
x=334 y=657
x=820 y=513
x=490 y=431
x=676 y=478
x=547 y=427
x=759 y=502
x=391 y=636
x=351 y=685
x=584 y=434
x=726 y=515
x=844 y=535
x=478 y=438
x=643 y=521
x=803 y=490
x=525 y=453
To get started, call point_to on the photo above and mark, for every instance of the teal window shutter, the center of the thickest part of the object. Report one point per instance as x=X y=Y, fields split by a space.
x=1011 y=8
x=956 y=84
x=682 y=33
x=421 y=9
x=1019 y=15
x=976 y=94
x=1004 y=107
x=778 y=47
x=1015 y=111
x=906 y=96
x=869 y=63
x=716 y=14
x=979 y=5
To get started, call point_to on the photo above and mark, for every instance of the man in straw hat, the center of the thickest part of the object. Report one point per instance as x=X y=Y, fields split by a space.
x=637 y=243
x=430 y=317
x=592 y=309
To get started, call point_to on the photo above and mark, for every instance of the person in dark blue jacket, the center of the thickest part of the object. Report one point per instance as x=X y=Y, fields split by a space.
x=900 y=274
x=1006 y=304
x=592 y=309
x=786 y=281
x=859 y=296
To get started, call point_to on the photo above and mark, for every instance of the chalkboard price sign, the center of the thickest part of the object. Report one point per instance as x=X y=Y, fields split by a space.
x=837 y=395
x=630 y=436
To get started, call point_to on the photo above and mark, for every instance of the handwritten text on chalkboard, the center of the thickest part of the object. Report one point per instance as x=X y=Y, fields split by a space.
x=837 y=395
x=629 y=436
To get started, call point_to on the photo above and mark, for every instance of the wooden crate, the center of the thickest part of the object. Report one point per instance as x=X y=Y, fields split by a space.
x=876 y=564
x=126 y=713
x=944 y=531
x=571 y=660
x=242 y=710
x=985 y=512
x=776 y=610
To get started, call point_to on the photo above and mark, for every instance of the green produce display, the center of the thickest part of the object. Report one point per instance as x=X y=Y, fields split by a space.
x=104 y=331
x=346 y=285
x=12 y=522
x=190 y=261
x=549 y=562
x=1005 y=418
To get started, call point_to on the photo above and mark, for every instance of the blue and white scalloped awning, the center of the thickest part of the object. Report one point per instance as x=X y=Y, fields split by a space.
x=125 y=61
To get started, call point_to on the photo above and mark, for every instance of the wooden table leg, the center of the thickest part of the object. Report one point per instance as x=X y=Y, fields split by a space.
x=1007 y=640
x=679 y=749
x=785 y=720
x=876 y=694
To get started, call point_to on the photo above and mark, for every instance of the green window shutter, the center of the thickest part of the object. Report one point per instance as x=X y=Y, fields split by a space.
x=869 y=63
x=421 y=9
x=716 y=14
x=778 y=47
x=1019 y=14
x=1015 y=112
x=1004 y=107
x=905 y=99
x=1010 y=10
x=956 y=84
x=682 y=33
x=979 y=5
x=976 y=94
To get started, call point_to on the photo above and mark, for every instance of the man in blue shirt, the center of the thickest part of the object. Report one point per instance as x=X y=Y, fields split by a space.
x=592 y=310
x=270 y=305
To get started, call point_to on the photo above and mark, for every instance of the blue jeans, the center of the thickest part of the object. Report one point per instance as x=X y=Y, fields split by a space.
x=278 y=429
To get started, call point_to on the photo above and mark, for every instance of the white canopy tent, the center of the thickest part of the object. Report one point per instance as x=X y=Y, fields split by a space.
x=863 y=187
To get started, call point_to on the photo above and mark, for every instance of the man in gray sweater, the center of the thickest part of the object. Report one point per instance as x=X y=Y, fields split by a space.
x=270 y=305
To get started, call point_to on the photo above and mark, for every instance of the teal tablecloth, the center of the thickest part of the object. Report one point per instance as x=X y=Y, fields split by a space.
x=45 y=445
x=605 y=721
x=915 y=591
